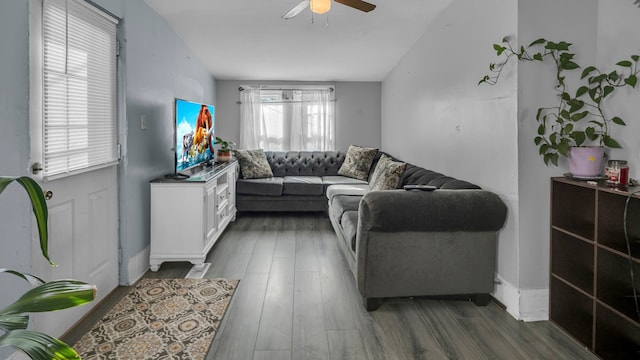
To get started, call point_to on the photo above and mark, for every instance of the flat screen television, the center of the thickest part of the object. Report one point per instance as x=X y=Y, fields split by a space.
x=194 y=132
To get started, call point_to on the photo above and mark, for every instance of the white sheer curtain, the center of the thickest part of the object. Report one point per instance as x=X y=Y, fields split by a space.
x=290 y=119
x=251 y=120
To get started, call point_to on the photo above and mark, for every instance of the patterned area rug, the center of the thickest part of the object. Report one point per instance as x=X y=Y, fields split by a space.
x=160 y=319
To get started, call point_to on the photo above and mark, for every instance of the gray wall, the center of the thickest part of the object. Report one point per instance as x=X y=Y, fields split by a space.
x=618 y=38
x=485 y=134
x=15 y=211
x=558 y=21
x=357 y=111
x=158 y=68
x=434 y=115
x=602 y=33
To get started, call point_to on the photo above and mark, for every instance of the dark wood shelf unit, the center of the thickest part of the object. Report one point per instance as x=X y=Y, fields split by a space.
x=614 y=283
x=573 y=260
x=572 y=310
x=610 y=224
x=591 y=295
x=579 y=210
x=617 y=338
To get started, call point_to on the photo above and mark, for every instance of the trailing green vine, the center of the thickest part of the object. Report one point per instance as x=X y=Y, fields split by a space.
x=578 y=117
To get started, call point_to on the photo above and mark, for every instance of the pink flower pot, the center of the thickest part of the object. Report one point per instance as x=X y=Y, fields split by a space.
x=586 y=161
x=223 y=156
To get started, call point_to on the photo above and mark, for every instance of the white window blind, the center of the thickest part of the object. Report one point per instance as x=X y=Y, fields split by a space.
x=79 y=88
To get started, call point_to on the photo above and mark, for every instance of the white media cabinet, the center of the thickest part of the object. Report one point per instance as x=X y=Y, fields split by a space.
x=189 y=215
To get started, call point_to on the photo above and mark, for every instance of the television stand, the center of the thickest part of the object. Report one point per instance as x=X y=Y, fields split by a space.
x=177 y=176
x=188 y=215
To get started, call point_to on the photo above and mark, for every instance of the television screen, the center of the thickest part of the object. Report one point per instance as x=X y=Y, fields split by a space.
x=194 y=134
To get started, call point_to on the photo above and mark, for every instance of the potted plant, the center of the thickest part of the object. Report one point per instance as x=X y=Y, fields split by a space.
x=224 y=152
x=579 y=118
x=44 y=296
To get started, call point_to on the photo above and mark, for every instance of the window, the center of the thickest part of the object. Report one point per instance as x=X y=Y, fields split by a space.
x=287 y=119
x=79 y=131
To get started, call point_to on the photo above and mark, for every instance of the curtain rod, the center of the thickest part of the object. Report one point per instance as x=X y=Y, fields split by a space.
x=331 y=88
x=284 y=102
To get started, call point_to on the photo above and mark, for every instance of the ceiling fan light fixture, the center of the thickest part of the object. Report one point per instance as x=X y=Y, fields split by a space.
x=320 y=6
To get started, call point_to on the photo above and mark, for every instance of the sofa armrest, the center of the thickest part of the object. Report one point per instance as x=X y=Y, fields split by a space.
x=436 y=211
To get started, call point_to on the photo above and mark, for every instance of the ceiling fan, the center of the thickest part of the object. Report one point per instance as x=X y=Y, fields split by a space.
x=322 y=6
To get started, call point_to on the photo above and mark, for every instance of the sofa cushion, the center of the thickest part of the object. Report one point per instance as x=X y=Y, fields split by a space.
x=346 y=189
x=328 y=181
x=253 y=164
x=266 y=186
x=342 y=203
x=349 y=224
x=302 y=185
x=387 y=174
x=357 y=162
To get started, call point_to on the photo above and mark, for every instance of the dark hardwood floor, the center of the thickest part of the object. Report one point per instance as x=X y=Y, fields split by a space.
x=297 y=299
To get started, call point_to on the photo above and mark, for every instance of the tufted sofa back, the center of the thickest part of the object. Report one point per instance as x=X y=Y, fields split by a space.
x=327 y=163
x=305 y=163
x=415 y=175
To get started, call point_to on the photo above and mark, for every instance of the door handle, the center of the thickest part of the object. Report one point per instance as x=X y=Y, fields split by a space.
x=36 y=167
x=48 y=194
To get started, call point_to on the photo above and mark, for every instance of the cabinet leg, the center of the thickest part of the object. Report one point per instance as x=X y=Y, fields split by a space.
x=154 y=268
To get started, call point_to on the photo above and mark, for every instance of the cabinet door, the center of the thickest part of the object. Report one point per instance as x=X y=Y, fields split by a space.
x=211 y=223
x=231 y=180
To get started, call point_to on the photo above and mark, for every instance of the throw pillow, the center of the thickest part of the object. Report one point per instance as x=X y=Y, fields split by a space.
x=253 y=164
x=357 y=162
x=387 y=174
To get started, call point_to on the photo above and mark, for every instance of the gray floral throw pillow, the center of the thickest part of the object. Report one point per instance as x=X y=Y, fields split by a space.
x=253 y=164
x=357 y=162
x=387 y=174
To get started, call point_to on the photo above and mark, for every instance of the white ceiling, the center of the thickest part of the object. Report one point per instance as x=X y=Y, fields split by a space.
x=248 y=39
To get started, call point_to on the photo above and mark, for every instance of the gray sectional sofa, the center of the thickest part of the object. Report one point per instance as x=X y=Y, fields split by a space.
x=402 y=243
x=299 y=182
x=398 y=243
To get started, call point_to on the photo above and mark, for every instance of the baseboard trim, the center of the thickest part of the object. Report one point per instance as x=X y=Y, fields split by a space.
x=138 y=265
x=523 y=304
x=534 y=304
x=508 y=295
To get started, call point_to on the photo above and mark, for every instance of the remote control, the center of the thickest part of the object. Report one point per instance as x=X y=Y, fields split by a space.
x=420 y=187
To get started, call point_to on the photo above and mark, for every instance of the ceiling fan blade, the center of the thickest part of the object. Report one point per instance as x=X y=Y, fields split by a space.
x=357 y=4
x=296 y=10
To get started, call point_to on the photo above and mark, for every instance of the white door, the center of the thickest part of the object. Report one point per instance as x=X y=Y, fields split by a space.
x=83 y=240
x=73 y=86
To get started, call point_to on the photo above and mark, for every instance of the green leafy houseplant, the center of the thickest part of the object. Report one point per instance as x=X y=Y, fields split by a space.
x=579 y=117
x=224 y=152
x=225 y=146
x=43 y=297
